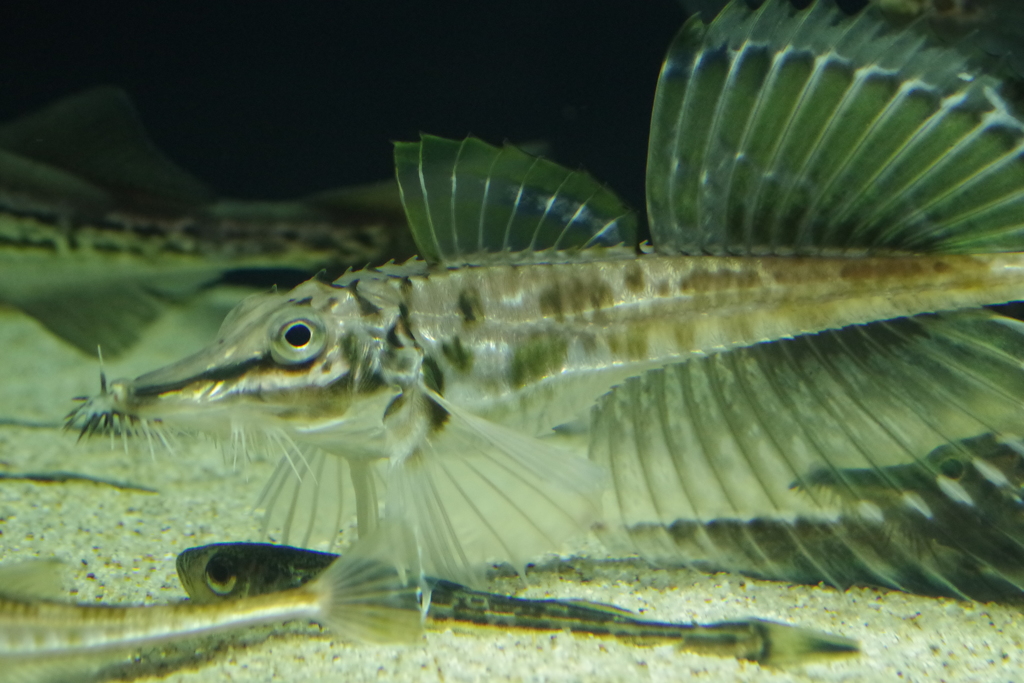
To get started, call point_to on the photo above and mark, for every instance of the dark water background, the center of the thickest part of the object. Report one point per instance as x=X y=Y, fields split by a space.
x=277 y=99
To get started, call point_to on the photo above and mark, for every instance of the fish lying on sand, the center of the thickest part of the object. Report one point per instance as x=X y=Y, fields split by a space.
x=951 y=525
x=98 y=228
x=358 y=597
x=832 y=200
x=226 y=571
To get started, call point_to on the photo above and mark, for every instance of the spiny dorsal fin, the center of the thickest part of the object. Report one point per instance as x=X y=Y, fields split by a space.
x=465 y=198
x=783 y=131
x=96 y=135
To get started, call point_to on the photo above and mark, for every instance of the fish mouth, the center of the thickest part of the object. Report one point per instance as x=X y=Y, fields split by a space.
x=106 y=413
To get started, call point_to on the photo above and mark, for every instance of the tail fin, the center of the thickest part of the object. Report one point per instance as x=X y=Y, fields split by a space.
x=784 y=644
x=369 y=594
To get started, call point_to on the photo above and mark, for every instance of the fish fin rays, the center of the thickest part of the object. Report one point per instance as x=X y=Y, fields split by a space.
x=476 y=492
x=372 y=591
x=785 y=131
x=308 y=500
x=466 y=199
x=722 y=461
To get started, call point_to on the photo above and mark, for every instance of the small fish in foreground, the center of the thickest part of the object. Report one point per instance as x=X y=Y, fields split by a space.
x=99 y=229
x=359 y=598
x=227 y=571
x=834 y=201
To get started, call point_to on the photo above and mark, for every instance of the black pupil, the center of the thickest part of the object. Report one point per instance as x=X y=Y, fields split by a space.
x=298 y=335
x=220 y=571
x=952 y=468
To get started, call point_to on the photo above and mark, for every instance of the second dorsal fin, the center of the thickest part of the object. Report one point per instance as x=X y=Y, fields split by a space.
x=785 y=131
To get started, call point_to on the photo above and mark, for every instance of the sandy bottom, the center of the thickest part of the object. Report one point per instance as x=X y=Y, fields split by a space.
x=120 y=546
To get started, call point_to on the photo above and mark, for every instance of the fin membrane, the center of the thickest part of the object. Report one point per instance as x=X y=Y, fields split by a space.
x=307 y=500
x=785 y=131
x=110 y=315
x=477 y=492
x=883 y=454
x=97 y=136
x=36 y=579
x=467 y=198
x=369 y=598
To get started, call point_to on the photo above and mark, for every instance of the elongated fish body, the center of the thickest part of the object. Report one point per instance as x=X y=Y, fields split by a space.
x=97 y=226
x=832 y=201
x=225 y=571
x=43 y=640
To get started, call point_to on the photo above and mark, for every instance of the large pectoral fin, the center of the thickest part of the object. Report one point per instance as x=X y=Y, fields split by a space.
x=476 y=492
x=309 y=499
x=849 y=456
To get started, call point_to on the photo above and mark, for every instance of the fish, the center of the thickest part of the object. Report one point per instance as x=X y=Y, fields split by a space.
x=44 y=639
x=99 y=230
x=833 y=201
x=228 y=571
x=960 y=509
x=947 y=526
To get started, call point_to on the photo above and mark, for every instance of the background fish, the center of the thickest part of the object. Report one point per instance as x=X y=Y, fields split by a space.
x=47 y=640
x=226 y=571
x=832 y=203
x=98 y=228
x=950 y=525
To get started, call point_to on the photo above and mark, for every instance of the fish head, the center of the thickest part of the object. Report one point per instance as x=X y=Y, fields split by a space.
x=989 y=470
x=985 y=472
x=281 y=361
x=226 y=571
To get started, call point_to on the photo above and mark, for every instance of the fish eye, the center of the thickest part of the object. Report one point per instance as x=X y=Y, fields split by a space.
x=298 y=340
x=952 y=468
x=221 y=576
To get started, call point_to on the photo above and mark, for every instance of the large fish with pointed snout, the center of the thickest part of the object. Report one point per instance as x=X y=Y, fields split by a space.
x=98 y=229
x=832 y=200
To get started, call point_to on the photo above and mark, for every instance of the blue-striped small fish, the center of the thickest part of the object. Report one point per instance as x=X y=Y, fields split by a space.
x=833 y=201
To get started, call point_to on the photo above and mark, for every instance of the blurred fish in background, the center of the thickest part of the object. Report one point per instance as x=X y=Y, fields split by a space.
x=99 y=229
x=947 y=526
